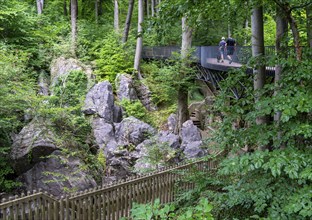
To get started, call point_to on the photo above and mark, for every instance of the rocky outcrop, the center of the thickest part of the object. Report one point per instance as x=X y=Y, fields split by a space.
x=100 y=101
x=61 y=67
x=58 y=175
x=145 y=95
x=191 y=140
x=125 y=87
x=104 y=134
x=132 y=131
x=31 y=145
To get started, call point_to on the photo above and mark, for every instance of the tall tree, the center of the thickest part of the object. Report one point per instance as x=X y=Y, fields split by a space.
x=116 y=16
x=257 y=40
x=73 y=16
x=40 y=4
x=281 y=50
x=139 y=44
x=128 y=21
x=288 y=8
x=183 y=114
x=96 y=10
x=309 y=24
x=65 y=8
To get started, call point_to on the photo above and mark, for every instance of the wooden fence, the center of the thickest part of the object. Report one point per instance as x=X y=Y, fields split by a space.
x=108 y=202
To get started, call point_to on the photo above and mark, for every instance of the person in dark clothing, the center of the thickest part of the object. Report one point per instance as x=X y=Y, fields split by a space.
x=230 y=48
x=222 y=44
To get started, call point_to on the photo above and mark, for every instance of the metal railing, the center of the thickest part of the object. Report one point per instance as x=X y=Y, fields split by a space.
x=206 y=55
x=110 y=202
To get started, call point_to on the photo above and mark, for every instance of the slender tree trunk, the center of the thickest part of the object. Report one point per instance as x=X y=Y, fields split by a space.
x=309 y=25
x=100 y=7
x=153 y=7
x=257 y=40
x=96 y=10
x=281 y=50
x=116 y=16
x=183 y=114
x=65 y=8
x=246 y=28
x=40 y=4
x=139 y=44
x=128 y=21
x=294 y=28
x=73 y=15
x=147 y=8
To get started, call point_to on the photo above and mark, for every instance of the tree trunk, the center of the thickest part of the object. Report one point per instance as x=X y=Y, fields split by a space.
x=73 y=16
x=96 y=10
x=281 y=50
x=116 y=16
x=183 y=114
x=40 y=4
x=294 y=28
x=65 y=8
x=147 y=8
x=257 y=40
x=101 y=7
x=128 y=21
x=139 y=44
x=309 y=25
x=153 y=7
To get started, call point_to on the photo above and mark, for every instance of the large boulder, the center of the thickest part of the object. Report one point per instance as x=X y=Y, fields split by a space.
x=125 y=88
x=191 y=140
x=104 y=134
x=61 y=67
x=100 y=101
x=31 y=145
x=132 y=131
x=58 y=175
x=171 y=139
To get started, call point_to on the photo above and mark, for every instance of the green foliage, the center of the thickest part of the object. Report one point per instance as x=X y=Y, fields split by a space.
x=71 y=88
x=111 y=58
x=157 y=155
x=135 y=109
x=101 y=159
x=16 y=95
x=268 y=183
x=156 y=211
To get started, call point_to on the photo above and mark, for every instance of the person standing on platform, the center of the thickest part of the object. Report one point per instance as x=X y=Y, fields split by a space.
x=222 y=45
x=230 y=48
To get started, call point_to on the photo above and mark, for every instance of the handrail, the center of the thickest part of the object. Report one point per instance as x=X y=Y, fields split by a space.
x=107 y=202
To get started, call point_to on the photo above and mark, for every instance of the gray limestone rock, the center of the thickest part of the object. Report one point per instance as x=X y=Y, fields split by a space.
x=58 y=175
x=34 y=142
x=132 y=131
x=125 y=88
x=191 y=140
x=61 y=67
x=104 y=134
x=100 y=101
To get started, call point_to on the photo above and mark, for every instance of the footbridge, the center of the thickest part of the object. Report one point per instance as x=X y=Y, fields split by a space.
x=210 y=70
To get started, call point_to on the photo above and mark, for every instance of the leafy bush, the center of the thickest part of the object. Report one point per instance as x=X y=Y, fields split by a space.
x=156 y=211
x=273 y=185
x=71 y=89
x=17 y=94
x=135 y=109
x=111 y=59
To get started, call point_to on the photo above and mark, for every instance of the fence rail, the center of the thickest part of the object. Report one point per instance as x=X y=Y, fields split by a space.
x=110 y=202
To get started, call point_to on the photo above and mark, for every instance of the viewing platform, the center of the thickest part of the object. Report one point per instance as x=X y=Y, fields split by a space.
x=206 y=56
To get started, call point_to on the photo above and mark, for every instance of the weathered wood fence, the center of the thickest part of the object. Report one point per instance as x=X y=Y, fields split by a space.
x=108 y=202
